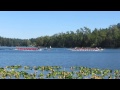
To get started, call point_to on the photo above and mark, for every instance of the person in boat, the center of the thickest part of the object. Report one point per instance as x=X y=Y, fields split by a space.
x=38 y=47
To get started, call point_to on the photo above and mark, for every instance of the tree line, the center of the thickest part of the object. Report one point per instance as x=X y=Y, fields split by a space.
x=83 y=37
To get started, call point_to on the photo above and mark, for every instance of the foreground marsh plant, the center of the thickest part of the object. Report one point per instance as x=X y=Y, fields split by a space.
x=56 y=72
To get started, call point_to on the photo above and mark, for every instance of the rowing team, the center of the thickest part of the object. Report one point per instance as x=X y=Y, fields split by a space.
x=86 y=49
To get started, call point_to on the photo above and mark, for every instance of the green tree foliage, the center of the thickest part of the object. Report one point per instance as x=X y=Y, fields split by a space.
x=83 y=37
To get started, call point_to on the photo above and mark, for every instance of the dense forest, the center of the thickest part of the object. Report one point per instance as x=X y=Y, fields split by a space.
x=83 y=37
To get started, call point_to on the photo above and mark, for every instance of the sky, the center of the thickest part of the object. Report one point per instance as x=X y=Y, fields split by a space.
x=33 y=24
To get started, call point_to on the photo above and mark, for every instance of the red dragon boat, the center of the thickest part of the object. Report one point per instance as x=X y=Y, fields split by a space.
x=27 y=48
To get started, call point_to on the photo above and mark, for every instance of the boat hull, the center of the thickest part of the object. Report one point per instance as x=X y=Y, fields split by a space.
x=28 y=49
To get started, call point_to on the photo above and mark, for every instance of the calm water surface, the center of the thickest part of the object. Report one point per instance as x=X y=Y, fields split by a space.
x=108 y=58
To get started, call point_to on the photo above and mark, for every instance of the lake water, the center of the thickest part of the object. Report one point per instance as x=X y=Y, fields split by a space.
x=108 y=58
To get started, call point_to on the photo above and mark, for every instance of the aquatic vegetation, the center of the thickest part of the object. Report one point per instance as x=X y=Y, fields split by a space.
x=14 y=67
x=27 y=67
x=56 y=72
